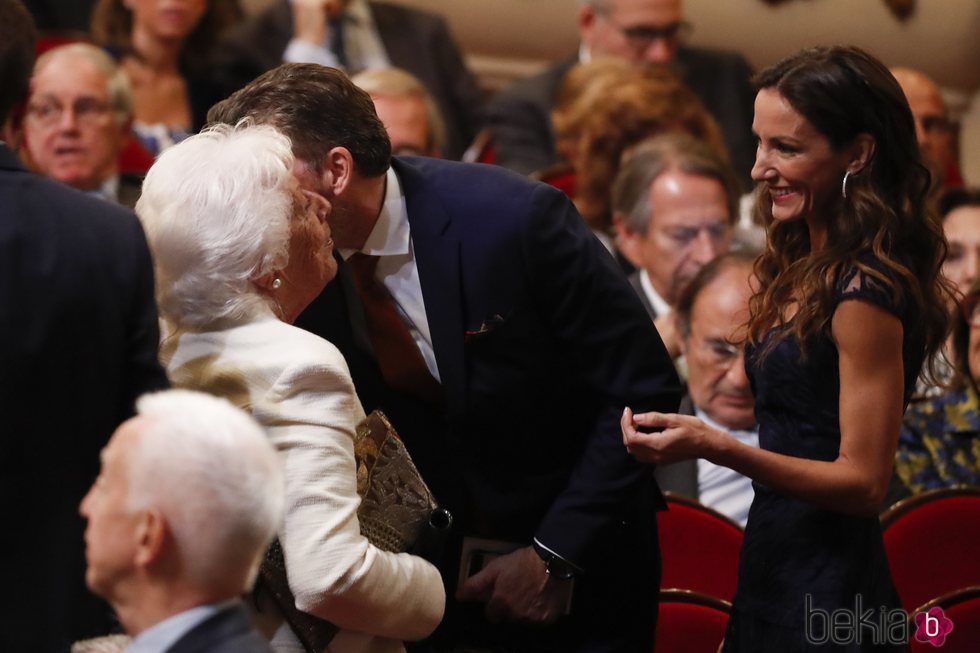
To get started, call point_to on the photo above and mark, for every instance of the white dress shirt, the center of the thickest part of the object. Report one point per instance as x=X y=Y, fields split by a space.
x=362 y=43
x=659 y=304
x=721 y=488
x=391 y=240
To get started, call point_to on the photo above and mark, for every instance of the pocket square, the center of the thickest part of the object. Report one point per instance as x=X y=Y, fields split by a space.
x=486 y=328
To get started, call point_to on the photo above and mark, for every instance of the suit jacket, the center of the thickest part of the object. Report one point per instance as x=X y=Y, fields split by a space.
x=78 y=345
x=415 y=40
x=540 y=344
x=524 y=138
x=298 y=387
x=682 y=477
x=228 y=631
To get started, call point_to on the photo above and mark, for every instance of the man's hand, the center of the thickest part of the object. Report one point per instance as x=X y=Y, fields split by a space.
x=310 y=18
x=516 y=587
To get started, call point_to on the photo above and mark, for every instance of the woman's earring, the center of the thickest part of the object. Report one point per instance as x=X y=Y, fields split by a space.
x=276 y=283
x=843 y=186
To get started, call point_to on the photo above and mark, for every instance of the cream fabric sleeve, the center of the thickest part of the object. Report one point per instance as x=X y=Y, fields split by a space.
x=310 y=413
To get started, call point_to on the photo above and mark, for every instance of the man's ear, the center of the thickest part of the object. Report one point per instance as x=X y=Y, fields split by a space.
x=586 y=23
x=628 y=241
x=151 y=537
x=336 y=171
x=862 y=151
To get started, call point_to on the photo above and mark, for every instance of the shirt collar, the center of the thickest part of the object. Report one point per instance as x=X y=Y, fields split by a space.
x=737 y=433
x=161 y=636
x=660 y=305
x=391 y=234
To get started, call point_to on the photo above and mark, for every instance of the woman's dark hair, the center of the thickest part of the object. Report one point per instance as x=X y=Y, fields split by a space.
x=961 y=336
x=17 y=37
x=845 y=92
x=112 y=28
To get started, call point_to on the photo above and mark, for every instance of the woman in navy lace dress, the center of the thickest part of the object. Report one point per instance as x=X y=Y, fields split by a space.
x=850 y=302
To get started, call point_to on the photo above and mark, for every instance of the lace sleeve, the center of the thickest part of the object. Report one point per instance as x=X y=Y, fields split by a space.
x=855 y=283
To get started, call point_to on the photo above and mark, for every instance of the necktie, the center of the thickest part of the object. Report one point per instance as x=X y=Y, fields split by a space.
x=337 y=41
x=398 y=357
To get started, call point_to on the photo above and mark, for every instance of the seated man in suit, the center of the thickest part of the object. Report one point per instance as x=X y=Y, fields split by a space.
x=644 y=32
x=479 y=312
x=409 y=113
x=932 y=127
x=357 y=35
x=188 y=498
x=78 y=119
x=710 y=315
x=675 y=202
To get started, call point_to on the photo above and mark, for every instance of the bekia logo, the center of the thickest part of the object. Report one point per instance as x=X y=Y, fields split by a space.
x=932 y=627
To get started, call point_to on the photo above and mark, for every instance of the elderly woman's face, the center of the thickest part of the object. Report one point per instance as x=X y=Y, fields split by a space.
x=167 y=19
x=311 y=263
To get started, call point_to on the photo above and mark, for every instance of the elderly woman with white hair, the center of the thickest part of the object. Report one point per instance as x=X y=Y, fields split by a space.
x=240 y=250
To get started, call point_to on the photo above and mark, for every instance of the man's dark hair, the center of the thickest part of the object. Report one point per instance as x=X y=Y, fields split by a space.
x=705 y=276
x=318 y=108
x=17 y=42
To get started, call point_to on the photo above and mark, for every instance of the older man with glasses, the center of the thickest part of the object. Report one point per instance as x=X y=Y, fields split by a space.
x=644 y=32
x=710 y=316
x=77 y=121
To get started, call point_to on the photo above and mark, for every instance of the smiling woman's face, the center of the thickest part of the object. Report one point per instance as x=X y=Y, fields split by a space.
x=167 y=19
x=796 y=162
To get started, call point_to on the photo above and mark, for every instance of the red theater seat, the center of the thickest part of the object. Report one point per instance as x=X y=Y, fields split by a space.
x=700 y=548
x=933 y=543
x=690 y=622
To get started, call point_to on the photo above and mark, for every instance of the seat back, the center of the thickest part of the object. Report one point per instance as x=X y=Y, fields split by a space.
x=700 y=548
x=963 y=609
x=933 y=543
x=561 y=175
x=690 y=622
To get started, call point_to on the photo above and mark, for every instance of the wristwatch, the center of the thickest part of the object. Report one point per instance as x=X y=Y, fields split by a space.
x=554 y=565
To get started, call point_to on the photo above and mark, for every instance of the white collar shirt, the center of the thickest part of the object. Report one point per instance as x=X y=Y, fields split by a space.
x=160 y=637
x=391 y=241
x=659 y=304
x=722 y=488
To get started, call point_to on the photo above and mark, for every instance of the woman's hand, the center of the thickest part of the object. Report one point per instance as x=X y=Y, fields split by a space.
x=681 y=437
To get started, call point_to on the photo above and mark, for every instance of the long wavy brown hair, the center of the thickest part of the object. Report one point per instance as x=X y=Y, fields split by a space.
x=112 y=28
x=844 y=92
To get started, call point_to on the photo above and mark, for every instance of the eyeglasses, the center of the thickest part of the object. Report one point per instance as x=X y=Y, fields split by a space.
x=87 y=111
x=641 y=37
x=721 y=353
x=971 y=310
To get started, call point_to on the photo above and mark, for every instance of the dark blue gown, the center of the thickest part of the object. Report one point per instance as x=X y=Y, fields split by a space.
x=799 y=561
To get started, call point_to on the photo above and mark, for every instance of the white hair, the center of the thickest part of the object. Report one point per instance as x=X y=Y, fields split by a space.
x=117 y=82
x=213 y=474
x=216 y=208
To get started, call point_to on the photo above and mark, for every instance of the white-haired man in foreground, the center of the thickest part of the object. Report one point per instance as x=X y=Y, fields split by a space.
x=189 y=495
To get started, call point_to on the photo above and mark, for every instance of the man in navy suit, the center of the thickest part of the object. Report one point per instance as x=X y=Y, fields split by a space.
x=521 y=345
x=78 y=344
x=189 y=496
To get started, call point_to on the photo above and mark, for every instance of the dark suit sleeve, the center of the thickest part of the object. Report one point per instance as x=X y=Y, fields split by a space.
x=142 y=372
x=616 y=353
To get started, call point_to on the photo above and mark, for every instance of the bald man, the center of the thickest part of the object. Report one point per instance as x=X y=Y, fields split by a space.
x=932 y=127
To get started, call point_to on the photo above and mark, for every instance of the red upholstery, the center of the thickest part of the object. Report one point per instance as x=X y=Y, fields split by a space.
x=561 y=176
x=134 y=159
x=700 y=548
x=963 y=609
x=933 y=543
x=690 y=622
x=49 y=40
